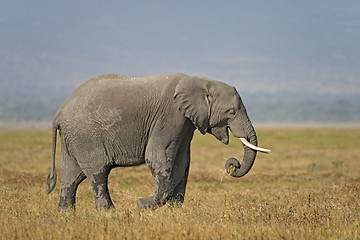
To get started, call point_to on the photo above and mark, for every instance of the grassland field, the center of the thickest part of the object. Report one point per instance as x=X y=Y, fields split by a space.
x=308 y=187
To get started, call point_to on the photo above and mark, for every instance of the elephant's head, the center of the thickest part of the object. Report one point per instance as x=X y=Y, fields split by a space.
x=214 y=107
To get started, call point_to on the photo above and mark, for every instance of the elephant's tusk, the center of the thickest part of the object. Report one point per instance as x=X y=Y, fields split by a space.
x=263 y=150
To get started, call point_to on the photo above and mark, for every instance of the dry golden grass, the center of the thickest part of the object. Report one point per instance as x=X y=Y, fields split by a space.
x=307 y=188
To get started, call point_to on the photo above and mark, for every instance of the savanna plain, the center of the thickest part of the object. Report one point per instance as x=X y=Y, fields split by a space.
x=308 y=187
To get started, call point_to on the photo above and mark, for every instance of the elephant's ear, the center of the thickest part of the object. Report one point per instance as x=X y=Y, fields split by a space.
x=193 y=100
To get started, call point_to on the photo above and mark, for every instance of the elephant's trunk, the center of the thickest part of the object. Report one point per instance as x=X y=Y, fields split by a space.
x=232 y=165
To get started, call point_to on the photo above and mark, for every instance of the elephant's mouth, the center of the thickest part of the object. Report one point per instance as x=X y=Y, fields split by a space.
x=221 y=133
x=253 y=147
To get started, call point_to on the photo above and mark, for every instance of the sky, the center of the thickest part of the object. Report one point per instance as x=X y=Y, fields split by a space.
x=257 y=46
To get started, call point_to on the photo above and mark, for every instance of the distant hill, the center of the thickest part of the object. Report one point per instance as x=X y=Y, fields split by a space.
x=282 y=107
x=292 y=107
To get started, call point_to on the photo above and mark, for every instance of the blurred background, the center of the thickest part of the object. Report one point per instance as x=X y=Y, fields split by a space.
x=295 y=63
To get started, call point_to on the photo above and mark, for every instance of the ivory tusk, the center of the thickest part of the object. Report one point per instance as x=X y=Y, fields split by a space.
x=263 y=150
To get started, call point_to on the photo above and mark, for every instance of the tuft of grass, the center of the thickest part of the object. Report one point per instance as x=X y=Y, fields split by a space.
x=308 y=187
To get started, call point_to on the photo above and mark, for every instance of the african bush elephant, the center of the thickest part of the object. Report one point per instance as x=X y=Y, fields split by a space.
x=114 y=121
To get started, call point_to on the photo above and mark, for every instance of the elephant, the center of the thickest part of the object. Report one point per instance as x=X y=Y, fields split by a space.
x=116 y=121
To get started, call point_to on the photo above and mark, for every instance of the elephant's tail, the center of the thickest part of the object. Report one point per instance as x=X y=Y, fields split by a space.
x=51 y=179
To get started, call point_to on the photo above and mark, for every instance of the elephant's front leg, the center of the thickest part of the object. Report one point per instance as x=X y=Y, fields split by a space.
x=180 y=174
x=164 y=187
x=161 y=164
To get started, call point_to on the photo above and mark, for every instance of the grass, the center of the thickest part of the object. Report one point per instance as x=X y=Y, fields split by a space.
x=308 y=187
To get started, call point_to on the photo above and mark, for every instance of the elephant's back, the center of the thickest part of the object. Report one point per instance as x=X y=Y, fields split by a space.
x=81 y=102
x=97 y=86
x=112 y=94
x=99 y=98
x=99 y=83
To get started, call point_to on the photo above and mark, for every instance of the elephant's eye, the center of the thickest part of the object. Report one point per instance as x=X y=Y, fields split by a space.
x=230 y=112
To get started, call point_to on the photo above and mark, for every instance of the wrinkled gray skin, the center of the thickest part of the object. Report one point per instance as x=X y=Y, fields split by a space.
x=114 y=121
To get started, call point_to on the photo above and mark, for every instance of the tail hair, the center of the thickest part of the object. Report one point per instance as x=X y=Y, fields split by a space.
x=51 y=179
x=51 y=182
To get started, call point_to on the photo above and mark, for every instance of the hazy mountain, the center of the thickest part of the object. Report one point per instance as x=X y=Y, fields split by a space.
x=263 y=107
x=291 y=107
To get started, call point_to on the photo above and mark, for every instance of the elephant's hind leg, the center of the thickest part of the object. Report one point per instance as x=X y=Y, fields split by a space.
x=71 y=177
x=99 y=183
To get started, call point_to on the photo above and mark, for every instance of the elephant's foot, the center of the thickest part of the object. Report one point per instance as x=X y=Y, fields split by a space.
x=104 y=205
x=147 y=203
x=67 y=200
x=66 y=207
